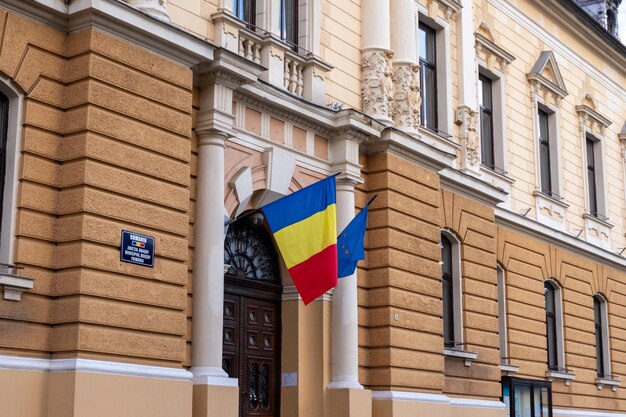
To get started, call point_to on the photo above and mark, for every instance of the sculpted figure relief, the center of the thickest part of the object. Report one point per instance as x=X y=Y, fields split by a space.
x=377 y=86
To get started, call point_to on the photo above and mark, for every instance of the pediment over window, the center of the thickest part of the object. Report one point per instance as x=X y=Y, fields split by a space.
x=589 y=117
x=489 y=51
x=545 y=74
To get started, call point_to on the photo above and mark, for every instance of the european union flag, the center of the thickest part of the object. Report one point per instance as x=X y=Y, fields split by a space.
x=350 y=247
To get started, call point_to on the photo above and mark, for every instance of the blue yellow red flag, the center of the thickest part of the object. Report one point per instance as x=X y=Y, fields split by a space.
x=350 y=245
x=304 y=226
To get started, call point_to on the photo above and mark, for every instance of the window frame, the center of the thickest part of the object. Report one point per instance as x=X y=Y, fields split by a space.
x=292 y=39
x=554 y=154
x=443 y=92
x=598 y=186
x=559 y=354
x=502 y=314
x=601 y=323
x=239 y=9
x=12 y=167
x=509 y=391
x=456 y=291
x=498 y=119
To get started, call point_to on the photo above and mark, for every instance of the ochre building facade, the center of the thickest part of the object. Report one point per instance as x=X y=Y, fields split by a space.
x=493 y=133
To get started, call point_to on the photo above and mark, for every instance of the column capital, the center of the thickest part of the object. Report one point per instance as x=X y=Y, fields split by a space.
x=212 y=137
x=228 y=69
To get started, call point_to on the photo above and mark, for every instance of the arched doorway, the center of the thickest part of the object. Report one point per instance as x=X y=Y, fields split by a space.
x=251 y=344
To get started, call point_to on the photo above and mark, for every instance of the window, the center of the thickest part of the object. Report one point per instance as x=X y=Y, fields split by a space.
x=485 y=101
x=595 y=183
x=245 y=10
x=554 y=326
x=504 y=357
x=447 y=292
x=610 y=22
x=451 y=293
x=4 y=125
x=289 y=22
x=527 y=398
x=545 y=165
x=428 y=76
x=602 y=339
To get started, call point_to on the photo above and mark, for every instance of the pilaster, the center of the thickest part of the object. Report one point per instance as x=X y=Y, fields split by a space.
x=467 y=112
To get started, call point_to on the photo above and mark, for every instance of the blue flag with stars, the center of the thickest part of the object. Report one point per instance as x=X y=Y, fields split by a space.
x=350 y=246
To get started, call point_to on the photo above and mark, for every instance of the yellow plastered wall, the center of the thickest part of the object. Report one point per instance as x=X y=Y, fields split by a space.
x=597 y=77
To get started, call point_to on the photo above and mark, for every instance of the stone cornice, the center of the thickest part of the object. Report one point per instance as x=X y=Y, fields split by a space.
x=561 y=239
x=471 y=187
x=228 y=69
x=300 y=112
x=399 y=143
x=119 y=19
x=572 y=17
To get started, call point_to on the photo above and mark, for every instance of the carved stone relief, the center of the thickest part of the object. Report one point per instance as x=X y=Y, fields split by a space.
x=377 y=87
x=468 y=133
x=406 y=99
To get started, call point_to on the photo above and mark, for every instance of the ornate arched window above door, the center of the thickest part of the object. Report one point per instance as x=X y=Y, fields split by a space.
x=250 y=253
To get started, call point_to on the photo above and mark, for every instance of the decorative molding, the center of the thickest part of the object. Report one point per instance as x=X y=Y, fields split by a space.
x=559 y=238
x=509 y=369
x=121 y=20
x=608 y=382
x=94 y=366
x=406 y=97
x=566 y=376
x=265 y=104
x=14 y=285
x=589 y=118
x=539 y=77
x=557 y=45
x=490 y=48
x=419 y=397
x=465 y=355
x=154 y=8
x=556 y=412
x=471 y=187
x=377 y=86
x=467 y=119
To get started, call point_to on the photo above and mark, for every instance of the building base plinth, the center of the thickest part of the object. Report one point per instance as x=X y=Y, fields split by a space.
x=346 y=402
x=215 y=400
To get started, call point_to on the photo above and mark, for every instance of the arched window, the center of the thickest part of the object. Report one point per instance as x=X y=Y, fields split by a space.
x=603 y=363
x=504 y=355
x=4 y=124
x=451 y=291
x=554 y=326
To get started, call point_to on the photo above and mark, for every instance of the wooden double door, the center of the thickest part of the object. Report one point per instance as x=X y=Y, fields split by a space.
x=251 y=345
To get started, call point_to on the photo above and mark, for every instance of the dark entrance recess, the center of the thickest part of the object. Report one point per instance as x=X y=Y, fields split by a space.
x=251 y=344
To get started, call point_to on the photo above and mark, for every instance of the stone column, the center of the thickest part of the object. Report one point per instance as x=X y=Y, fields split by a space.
x=345 y=392
x=208 y=274
x=467 y=112
x=406 y=98
x=377 y=71
x=214 y=392
x=344 y=313
x=154 y=8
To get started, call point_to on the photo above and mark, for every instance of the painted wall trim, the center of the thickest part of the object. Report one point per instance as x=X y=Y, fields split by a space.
x=437 y=399
x=583 y=413
x=119 y=19
x=93 y=366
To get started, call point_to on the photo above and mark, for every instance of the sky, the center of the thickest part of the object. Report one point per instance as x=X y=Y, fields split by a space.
x=622 y=22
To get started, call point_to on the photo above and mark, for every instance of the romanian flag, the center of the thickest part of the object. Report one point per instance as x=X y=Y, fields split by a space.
x=304 y=225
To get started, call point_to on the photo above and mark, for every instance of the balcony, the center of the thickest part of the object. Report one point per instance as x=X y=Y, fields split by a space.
x=288 y=67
